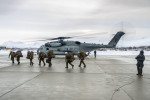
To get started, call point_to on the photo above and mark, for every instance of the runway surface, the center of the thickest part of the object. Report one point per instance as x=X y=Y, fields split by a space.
x=104 y=78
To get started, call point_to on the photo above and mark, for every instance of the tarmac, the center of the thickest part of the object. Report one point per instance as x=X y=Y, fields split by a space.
x=104 y=78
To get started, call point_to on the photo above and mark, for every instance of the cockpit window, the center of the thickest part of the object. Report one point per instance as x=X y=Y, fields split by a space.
x=47 y=45
x=77 y=42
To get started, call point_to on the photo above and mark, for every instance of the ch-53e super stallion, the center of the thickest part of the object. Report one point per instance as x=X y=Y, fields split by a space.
x=61 y=47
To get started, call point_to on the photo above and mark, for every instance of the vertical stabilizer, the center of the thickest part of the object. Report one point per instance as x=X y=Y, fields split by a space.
x=115 y=39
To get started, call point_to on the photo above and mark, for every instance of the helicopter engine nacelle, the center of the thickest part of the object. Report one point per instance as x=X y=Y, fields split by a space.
x=53 y=44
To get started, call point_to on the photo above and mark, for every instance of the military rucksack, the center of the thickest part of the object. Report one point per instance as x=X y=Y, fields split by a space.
x=42 y=55
x=82 y=55
x=70 y=57
x=30 y=55
x=50 y=54
x=19 y=54
x=13 y=54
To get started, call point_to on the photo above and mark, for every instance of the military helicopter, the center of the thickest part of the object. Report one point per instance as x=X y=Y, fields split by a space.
x=61 y=47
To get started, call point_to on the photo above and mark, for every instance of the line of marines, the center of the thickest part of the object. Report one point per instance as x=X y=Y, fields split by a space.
x=69 y=58
x=16 y=55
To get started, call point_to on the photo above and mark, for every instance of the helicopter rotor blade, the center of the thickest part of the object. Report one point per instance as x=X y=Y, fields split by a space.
x=89 y=34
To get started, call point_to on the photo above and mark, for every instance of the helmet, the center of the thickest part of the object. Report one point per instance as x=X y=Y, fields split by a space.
x=141 y=52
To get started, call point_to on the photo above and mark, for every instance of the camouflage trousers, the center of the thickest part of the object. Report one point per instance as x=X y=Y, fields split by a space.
x=12 y=59
x=140 y=68
x=18 y=60
x=31 y=62
x=82 y=62
x=68 y=62
x=42 y=61
x=49 y=61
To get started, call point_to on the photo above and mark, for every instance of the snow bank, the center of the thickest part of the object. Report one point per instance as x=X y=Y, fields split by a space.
x=112 y=52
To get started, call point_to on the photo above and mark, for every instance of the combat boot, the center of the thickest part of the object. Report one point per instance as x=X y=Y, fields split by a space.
x=141 y=75
x=72 y=66
x=50 y=65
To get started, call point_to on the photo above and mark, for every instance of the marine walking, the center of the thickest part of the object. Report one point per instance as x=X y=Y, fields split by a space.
x=69 y=59
x=81 y=57
x=30 y=56
x=41 y=57
x=50 y=55
x=12 y=55
x=18 y=55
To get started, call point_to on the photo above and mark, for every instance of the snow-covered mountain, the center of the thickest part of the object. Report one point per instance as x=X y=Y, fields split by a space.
x=12 y=44
x=136 y=43
x=122 y=43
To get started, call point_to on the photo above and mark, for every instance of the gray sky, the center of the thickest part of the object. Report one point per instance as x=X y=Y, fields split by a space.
x=27 y=19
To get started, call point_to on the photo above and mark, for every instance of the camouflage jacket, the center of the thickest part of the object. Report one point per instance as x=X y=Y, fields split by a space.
x=82 y=55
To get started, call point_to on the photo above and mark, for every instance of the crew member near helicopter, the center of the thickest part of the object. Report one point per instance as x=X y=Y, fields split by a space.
x=69 y=59
x=140 y=60
x=41 y=57
x=95 y=53
x=12 y=54
x=82 y=56
x=30 y=56
x=50 y=55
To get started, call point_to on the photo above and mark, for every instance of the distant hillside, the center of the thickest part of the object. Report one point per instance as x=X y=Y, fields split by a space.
x=12 y=44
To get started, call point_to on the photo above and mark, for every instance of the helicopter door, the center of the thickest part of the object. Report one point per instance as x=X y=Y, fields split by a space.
x=47 y=49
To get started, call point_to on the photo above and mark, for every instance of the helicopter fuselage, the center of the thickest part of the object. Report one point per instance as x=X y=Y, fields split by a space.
x=70 y=46
x=61 y=47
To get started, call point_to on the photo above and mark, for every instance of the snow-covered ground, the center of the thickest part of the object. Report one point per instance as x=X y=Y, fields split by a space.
x=108 y=52
x=113 y=52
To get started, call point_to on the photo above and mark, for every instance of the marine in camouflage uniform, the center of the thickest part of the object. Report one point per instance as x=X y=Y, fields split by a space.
x=30 y=56
x=82 y=56
x=42 y=55
x=12 y=54
x=140 y=60
x=69 y=59
x=50 y=55
x=18 y=55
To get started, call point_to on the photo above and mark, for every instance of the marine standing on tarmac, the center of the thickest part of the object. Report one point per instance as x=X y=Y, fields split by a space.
x=12 y=54
x=30 y=56
x=42 y=55
x=95 y=53
x=69 y=58
x=140 y=59
x=18 y=55
x=50 y=55
x=82 y=56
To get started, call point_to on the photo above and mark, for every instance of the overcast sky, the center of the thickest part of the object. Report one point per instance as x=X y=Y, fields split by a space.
x=27 y=19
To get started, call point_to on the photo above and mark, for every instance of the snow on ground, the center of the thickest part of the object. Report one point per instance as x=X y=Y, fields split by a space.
x=113 y=52
x=108 y=52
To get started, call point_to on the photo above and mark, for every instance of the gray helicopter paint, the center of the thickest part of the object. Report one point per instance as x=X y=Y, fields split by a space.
x=61 y=47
